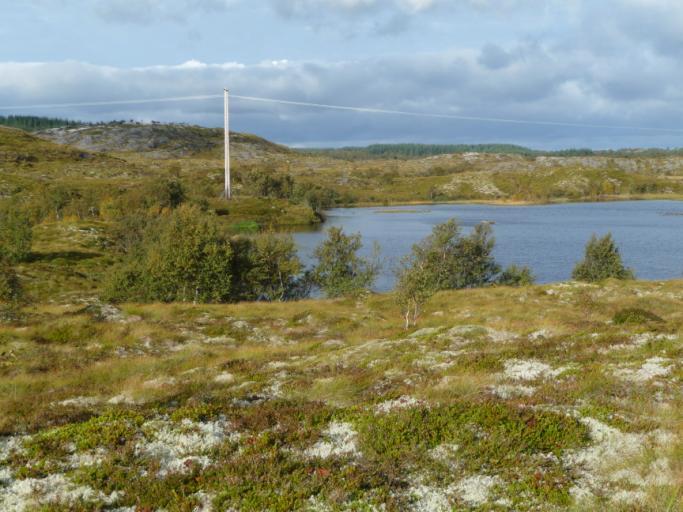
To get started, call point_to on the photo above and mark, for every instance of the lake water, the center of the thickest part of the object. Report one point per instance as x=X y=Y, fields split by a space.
x=548 y=238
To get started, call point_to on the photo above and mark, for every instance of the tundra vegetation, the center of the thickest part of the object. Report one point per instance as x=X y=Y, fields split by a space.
x=126 y=382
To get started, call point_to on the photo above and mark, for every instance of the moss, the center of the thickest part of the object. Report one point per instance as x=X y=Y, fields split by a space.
x=110 y=429
x=637 y=316
x=499 y=427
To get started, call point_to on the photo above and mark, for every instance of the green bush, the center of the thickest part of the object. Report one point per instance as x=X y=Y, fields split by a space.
x=10 y=287
x=447 y=260
x=16 y=235
x=268 y=183
x=275 y=267
x=514 y=275
x=635 y=316
x=602 y=261
x=186 y=259
x=184 y=256
x=340 y=271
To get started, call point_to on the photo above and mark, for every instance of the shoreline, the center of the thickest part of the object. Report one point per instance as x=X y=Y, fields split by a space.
x=505 y=202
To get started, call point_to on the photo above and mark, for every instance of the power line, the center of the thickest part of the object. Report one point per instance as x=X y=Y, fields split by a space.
x=366 y=110
x=113 y=102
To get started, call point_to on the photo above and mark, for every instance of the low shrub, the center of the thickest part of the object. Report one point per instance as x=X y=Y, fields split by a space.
x=635 y=316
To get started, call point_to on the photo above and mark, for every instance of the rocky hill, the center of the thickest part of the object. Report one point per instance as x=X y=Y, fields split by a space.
x=159 y=141
x=18 y=146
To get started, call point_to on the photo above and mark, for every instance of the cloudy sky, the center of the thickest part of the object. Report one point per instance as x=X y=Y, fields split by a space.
x=616 y=65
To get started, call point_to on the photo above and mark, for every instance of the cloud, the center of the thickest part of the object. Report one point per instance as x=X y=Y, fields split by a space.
x=310 y=8
x=526 y=81
x=143 y=12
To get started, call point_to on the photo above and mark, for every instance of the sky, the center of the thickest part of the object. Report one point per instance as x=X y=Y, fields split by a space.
x=616 y=65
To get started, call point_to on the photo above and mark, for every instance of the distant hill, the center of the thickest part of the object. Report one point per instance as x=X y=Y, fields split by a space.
x=18 y=146
x=158 y=140
x=418 y=150
x=36 y=123
x=25 y=159
x=403 y=151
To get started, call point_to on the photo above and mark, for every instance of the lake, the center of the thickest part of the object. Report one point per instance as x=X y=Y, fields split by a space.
x=548 y=238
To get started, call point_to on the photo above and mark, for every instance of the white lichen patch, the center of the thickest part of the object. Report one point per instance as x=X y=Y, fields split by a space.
x=177 y=447
x=541 y=334
x=509 y=391
x=123 y=398
x=12 y=445
x=520 y=369
x=205 y=502
x=87 y=459
x=643 y=339
x=339 y=439
x=334 y=343
x=481 y=331
x=224 y=378
x=652 y=368
x=403 y=402
x=55 y=489
x=425 y=332
x=601 y=466
x=159 y=382
x=79 y=401
x=274 y=388
x=446 y=454
x=429 y=498
x=639 y=340
x=475 y=490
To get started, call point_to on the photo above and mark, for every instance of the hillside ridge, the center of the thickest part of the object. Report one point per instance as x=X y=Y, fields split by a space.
x=157 y=140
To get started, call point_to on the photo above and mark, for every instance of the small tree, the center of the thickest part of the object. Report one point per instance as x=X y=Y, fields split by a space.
x=601 y=261
x=414 y=287
x=275 y=267
x=516 y=276
x=340 y=271
x=447 y=260
x=16 y=236
x=454 y=261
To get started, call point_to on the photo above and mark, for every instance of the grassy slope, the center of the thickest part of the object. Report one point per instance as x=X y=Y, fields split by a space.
x=496 y=178
x=525 y=409
x=28 y=163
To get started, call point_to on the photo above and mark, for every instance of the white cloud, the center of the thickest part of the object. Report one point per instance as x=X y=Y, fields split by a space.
x=535 y=83
x=142 y=11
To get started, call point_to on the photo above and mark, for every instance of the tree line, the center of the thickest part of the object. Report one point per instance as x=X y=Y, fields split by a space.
x=37 y=123
x=182 y=253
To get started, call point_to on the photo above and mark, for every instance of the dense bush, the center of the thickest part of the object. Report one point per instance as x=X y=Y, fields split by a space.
x=601 y=261
x=16 y=235
x=514 y=275
x=274 y=268
x=268 y=183
x=10 y=288
x=635 y=316
x=340 y=271
x=186 y=259
x=184 y=256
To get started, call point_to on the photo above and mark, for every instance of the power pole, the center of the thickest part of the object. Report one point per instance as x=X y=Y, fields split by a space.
x=227 y=192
